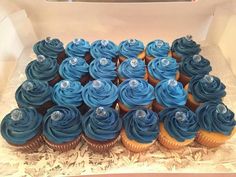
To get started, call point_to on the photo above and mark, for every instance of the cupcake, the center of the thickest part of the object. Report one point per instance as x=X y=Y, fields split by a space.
x=157 y=49
x=101 y=92
x=131 y=48
x=162 y=68
x=75 y=69
x=203 y=88
x=184 y=47
x=79 y=48
x=50 y=48
x=101 y=128
x=217 y=124
x=134 y=93
x=43 y=69
x=178 y=127
x=104 y=49
x=141 y=128
x=169 y=93
x=62 y=128
x=132 y=68
x=192 y=66
x=34 y=93
x=103 y=68
x=22 y=128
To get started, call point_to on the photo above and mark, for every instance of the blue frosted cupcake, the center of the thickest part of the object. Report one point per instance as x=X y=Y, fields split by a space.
x=156 y=49
x=178 y=127
x=22 y=128
x=169 y=93
x=34 y=93
x=101 y=128
x=131 y=48
x=50 y=48
x=75 y=69
x=132 y=68
x=104 y=49
x=79 y=48
x=162 y=68
x=141 y=128
x=43 y=69
x=62 y=127
x=133 y=93
x=192 y=66
x=184 y=47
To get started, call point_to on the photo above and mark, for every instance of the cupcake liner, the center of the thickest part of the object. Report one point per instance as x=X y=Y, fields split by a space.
x=141 y=55
x=64 y=146
x=191 y=103
x=88 y=57
x=175 y=56
x=61 y=56
x=98 y=146
x=156 y=107
x=56 y=79
x=132 y=145
x=184 y=79
x=152 y=80
x=121 y=59
x=85 y=79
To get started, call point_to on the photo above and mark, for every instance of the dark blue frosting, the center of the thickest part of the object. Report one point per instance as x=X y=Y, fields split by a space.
x=131 y=48
x=212 y=120
x=141 y=129
x=71 y=96
x=73 y=72
x=141 y=95
x=158 y=48
x=19 y=131
x=38 y=95
x=180 y=129
x=203 y=91
x=77 y=48
x=103 y=127
x=65 y=129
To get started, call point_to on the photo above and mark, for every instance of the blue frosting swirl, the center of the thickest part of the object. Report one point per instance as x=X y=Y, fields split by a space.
x=126 y=70
x=100 y=71
x=19 y=131
x=210 y=119
x=65 y=129
x=180 y=129
x=170 y=95
x=131 y=49
x=71 y=96
x=159 y=71
x=154 y=49
x=109 y=50
x=102 y=127
x=50 y=49
x=203 y=91
x=78 y=49
x=141 y=95
x=73 y=72
x=191 y=68
x=37 y=96
x=104 y=96
x=141 y=129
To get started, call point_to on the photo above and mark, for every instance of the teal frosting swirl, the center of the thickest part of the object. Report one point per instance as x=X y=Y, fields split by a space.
x=141 y=95
x=141 y=129
x=49 y=49
x=191 y=68
x=73 y=72
x=102 y=127
x=170 y=95
x=131 y=49
x=64 y=129
x=71 y=96
x=212 y=120
x=203 y=91
x=100 y=71
x=126 y=70
x=19 y=131
x=104 y=96
x=180 y=128
x=154 y=49
x=44 y=71
x=160 y=72
x=37 y=96
x=78 y=49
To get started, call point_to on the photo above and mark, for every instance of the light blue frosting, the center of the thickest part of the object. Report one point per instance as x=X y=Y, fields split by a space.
x=77 y=48
x=131 y=49
x=158 y=48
